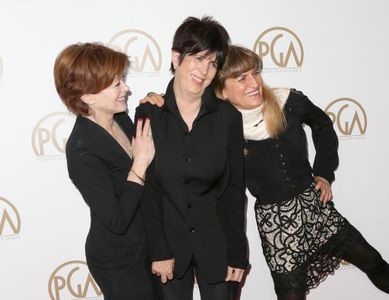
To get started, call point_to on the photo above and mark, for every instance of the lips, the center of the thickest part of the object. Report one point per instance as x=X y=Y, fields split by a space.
x=253 y=93
x=197 y=80
x=122 y=99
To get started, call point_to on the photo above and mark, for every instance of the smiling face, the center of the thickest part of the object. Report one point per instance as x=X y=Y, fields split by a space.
x=194 y=73
x=245 y=90
x=86 y=69
x=109 y=101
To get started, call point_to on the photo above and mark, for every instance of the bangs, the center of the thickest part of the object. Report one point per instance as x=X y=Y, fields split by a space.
x=211 y=49
x=102 y=67
x=194 y=36
x=239 y=62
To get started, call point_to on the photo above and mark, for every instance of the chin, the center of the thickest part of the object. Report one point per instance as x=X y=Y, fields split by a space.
x=122 y=109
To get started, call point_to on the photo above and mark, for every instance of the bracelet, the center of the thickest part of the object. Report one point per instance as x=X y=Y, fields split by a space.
x=141 y=179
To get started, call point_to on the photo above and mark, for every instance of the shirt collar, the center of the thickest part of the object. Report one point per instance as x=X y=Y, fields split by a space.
x=209 y=101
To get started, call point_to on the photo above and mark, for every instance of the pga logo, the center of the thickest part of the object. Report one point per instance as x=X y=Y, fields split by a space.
x=72 y=280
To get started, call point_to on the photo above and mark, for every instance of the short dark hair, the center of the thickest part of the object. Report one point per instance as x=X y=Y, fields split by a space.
x=195 y=35
x=86 y=68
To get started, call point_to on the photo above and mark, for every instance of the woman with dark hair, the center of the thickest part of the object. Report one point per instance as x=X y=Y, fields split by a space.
x=193 y=205
x=107 y=163
x=304 y=237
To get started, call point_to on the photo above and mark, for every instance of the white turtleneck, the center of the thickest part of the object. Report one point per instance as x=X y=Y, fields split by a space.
x=254 y=127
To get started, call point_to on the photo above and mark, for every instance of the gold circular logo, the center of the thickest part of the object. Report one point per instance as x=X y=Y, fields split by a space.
x=72 y=280
x=279 y=47
x=142 y=49
x=348 y=116
x=50 y=135
x=10 y=223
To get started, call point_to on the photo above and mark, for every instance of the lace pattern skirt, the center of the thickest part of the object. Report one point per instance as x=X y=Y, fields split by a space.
x=302 y=239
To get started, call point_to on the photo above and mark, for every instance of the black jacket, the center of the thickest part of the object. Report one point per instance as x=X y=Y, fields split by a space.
x=278 y=168
x=99 y=166
x=194 y=201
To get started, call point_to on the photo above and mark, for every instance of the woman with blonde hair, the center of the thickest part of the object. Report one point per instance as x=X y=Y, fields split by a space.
x=304 y=237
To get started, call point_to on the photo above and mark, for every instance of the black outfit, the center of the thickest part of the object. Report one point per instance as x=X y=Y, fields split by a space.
x=115 y=247
x=303 y=239
x=193 y=205
x=182 y=288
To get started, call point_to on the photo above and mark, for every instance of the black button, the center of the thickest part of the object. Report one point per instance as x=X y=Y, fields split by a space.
x=189 y=205
x=187 y=181
x=281 y=155
x=287 y=179
x=189 y=159
x=192 y=229
x=283 y=163
x=277 y=145
x=284 y=171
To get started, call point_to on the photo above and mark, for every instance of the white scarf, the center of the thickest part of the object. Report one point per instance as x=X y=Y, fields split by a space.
x=254 y=127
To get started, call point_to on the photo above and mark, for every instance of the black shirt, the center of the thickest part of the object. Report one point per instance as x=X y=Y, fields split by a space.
x=194 y=201
x=278 y=168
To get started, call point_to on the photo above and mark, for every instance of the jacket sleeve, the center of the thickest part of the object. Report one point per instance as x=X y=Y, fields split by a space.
x=324 y=138
x=151 y=206
x=232 y=204
x=114 y=206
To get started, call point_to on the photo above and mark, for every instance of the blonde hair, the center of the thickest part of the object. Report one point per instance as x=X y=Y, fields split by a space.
x=240 y=60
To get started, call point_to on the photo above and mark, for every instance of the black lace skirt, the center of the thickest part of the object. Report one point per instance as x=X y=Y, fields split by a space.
x=302 y=240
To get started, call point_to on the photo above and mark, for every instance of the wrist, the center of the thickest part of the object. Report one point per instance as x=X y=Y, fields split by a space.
x=139 y=167
x=133 y=176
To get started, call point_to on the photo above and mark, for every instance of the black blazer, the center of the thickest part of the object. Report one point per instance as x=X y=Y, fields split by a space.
x=277 y=169
x=99 y=166
x=194 y=201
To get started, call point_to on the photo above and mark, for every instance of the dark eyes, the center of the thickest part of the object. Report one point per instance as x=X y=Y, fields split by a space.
x=200 y=58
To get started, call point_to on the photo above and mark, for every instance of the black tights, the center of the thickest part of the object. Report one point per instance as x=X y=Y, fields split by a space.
x=367 y=259
x=292 y=296
x=364 y=257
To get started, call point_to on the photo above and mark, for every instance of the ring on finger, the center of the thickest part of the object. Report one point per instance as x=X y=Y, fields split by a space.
x=149 y=94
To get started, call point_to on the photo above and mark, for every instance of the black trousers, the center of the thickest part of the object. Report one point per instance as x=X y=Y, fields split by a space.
x=182 y=288
x=126 y=284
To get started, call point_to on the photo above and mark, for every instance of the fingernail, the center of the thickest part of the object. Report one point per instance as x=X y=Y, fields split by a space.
x=147 y=118
x=140 y=119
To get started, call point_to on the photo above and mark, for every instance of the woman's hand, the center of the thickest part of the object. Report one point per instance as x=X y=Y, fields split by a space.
x=143 y=151
x=153 y=98
x=234 y=274
x=324 y=187
x=163 y=269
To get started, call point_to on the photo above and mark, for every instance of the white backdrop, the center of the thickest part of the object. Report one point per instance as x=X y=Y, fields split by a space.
x=331 y=50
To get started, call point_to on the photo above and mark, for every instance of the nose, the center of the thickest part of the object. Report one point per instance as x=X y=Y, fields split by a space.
x=204 y=67
x=125 y=86
x=254 y=81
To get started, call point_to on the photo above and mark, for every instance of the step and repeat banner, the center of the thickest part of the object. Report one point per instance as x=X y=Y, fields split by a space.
x=336 y=52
